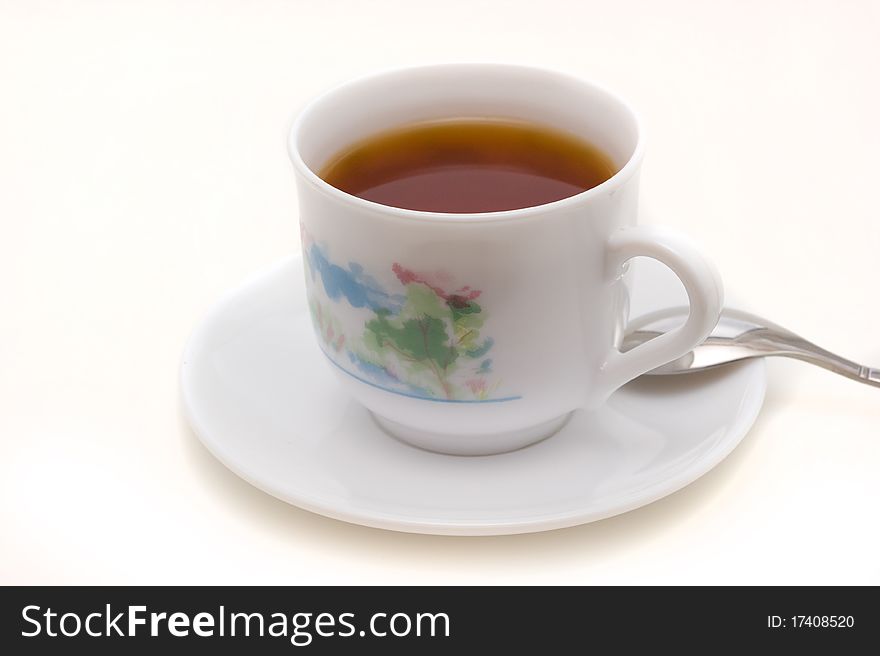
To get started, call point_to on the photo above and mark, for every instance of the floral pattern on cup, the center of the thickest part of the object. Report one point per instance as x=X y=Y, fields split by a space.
x=424 y=340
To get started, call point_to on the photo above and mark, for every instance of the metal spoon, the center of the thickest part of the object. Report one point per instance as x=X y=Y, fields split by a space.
x=741 y=336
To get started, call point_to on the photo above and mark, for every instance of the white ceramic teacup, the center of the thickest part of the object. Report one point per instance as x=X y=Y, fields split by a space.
x=481 y=333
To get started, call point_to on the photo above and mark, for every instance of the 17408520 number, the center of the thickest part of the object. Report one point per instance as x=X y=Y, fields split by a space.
x=811 y=622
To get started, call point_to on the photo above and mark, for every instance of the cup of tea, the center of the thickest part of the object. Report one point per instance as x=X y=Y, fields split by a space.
x=466 y=230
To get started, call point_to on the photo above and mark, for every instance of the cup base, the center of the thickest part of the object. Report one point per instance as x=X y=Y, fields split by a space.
x=476 y=444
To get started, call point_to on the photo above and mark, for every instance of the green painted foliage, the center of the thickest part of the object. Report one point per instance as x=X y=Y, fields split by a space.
x=429 y=336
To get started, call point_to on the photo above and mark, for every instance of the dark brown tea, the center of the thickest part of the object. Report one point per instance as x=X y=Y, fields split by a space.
x=468 y=165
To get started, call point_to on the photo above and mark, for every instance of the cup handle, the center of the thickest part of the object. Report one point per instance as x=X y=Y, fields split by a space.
x=701 y=281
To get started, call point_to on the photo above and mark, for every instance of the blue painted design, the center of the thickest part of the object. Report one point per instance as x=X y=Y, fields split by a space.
x=423 y=344
x=385 y=378
x=358 y=288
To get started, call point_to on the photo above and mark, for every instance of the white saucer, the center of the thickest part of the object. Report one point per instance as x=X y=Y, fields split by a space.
x=261 y=397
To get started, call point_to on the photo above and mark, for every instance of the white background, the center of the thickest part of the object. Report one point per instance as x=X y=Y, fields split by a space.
x=143 y=171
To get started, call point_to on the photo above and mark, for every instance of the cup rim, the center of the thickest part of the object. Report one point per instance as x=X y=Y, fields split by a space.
x=621 y=176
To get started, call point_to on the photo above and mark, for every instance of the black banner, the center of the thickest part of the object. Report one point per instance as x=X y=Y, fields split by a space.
x=114 y=620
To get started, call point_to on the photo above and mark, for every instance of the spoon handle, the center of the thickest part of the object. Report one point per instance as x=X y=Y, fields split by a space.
x=794 y=346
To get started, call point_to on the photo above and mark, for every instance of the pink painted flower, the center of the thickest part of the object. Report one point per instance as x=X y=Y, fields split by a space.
x=405 y=276
x=459 y=298
x=477 y=386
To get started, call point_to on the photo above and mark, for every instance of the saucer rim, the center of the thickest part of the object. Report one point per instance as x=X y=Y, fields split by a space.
x=334 y=509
